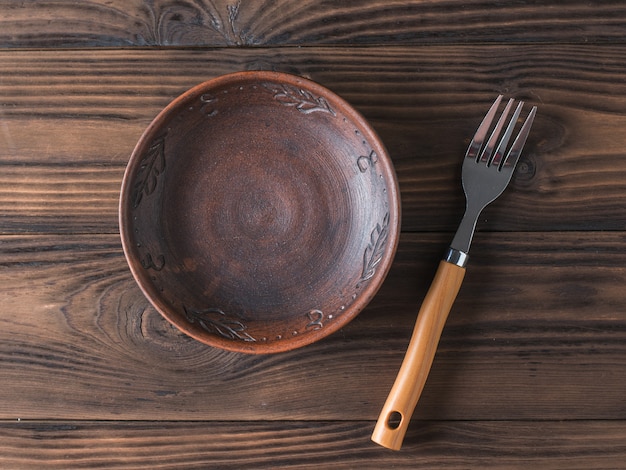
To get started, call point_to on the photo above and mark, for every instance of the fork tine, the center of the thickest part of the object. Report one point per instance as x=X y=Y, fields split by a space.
x=516 y=149
x=485 y=157
x=481 y=133
x=499 y=152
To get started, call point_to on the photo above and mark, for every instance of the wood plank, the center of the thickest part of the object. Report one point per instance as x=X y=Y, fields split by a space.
x=124 y=23
x=399 y=83
x=583 y=445
x=63 y=197
x=83 y=111
x=79 y=341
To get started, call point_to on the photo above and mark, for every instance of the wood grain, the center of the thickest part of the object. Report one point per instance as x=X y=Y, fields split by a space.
x=124 y=23
x=73 y=110
x=79 y=340
x=585 y=445
x=528 y=373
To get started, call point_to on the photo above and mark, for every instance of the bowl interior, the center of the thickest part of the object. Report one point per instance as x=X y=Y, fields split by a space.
x=259 y=212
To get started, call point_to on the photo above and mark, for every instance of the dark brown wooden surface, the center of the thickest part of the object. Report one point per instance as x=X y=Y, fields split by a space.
x=531 y=369
x=124 y=23
x=311 y=445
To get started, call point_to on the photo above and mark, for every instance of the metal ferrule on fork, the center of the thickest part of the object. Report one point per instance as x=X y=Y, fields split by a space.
x=456 y=257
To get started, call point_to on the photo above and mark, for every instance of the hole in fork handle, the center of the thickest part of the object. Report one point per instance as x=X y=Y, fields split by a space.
x=394 y=420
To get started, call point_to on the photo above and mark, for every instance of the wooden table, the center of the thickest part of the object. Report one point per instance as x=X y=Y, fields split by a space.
x=531 y=369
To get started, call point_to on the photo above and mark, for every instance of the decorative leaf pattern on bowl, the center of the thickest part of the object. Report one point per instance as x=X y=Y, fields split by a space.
x=216 y=321
x=373 y=254
x=303 y=100
x=152 y=165
x=149 y=262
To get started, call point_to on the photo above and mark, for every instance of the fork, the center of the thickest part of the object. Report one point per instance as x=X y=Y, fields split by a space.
x=485 y=175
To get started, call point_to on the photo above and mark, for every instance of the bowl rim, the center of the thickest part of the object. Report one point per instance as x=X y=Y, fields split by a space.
x=365 y=295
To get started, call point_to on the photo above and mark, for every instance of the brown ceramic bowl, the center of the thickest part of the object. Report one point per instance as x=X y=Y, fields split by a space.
x=259 y=212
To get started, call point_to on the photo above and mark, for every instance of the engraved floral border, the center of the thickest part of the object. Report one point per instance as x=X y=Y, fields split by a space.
x=151 y=167
x=301 y=99
x=215 y=320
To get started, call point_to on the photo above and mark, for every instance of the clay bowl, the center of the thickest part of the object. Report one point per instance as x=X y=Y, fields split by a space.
x=259 y=212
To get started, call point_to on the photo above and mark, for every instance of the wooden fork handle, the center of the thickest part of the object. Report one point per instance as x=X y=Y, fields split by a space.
x=396 y=413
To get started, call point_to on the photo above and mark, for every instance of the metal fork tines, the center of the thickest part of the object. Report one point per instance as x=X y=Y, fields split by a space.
x=487 y=170
x=487 y=173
